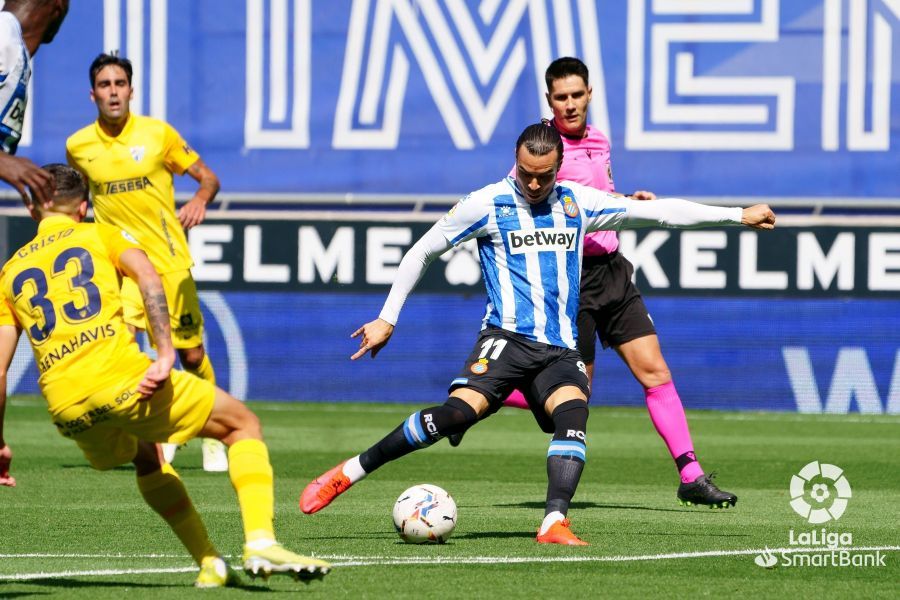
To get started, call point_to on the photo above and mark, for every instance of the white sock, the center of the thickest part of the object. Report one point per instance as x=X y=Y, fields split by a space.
x=353 y=470
x=550 y=519
x=260 y=544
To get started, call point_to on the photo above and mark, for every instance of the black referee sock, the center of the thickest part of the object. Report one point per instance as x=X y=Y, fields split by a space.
x=566 y=456
x=420 y=430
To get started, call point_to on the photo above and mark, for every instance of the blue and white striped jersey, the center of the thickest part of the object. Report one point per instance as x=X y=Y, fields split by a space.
x=531 y=254
x=15 y=71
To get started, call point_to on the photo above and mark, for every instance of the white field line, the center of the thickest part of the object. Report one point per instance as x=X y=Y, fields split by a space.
x=350 y=561
x=366 y=561
x=93 y=573
x=95 y=555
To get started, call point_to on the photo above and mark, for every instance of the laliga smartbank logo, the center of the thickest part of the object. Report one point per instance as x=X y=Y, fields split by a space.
x=819 y=493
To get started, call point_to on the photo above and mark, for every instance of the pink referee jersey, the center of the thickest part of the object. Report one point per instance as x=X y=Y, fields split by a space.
x=586 y=161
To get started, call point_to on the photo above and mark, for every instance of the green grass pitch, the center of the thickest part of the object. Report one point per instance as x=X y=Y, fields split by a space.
x=72 y=532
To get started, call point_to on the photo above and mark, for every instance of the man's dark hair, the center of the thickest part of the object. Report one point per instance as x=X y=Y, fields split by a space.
x=69 y=181
x=104 y=60
x=71 y=188
x=541 y=139
x=564 y=67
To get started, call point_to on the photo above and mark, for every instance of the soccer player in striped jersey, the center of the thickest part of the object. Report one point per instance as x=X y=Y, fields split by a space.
x=610 y=306
x=24 y=26
x=530 y=231
x=113 y=401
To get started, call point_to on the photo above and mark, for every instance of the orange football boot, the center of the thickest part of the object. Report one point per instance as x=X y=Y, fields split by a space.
x=559 y=533
x=324 y=489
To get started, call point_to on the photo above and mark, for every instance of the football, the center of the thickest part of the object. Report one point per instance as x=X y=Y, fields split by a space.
x=425 y=514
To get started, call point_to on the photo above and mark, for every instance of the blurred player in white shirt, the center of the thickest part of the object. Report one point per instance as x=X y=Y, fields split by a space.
x=24 y=26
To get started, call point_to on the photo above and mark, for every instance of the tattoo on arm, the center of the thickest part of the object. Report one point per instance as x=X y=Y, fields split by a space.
x=209 y=183
x=157 y=310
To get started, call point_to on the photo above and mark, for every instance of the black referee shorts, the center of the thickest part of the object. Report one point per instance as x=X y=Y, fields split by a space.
x=610 y=305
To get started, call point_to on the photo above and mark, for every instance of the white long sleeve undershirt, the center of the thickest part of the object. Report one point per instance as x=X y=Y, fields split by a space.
x=411 y=268
x=677 y=213
x=666 y=212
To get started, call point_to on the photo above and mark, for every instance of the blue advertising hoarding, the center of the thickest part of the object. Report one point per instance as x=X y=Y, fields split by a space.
x=797 y=319
x=737 y=97
x=803 y=355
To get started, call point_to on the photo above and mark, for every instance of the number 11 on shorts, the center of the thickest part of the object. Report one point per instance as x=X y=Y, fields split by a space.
x=498 y=346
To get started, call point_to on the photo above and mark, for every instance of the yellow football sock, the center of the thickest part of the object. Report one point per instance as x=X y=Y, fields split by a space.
x=166 y=494
x=251 y=476
x=205 y=370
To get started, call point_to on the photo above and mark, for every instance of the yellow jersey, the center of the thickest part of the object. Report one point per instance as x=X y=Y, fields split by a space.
x=131 y=183
x=63 y=289
x=6 y=316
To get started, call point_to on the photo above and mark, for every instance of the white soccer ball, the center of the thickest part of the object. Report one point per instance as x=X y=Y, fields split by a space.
x=425 y=514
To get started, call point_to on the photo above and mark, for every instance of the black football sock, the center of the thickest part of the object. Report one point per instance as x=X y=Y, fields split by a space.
x=566 y=456
x=420 y=430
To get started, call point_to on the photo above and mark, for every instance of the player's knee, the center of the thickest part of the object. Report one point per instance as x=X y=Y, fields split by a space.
x=461 y=414
x=246 y=420
x=649 y=367
x=103 y=465
x=231 y=420
x=146 y=460
x=120 y=450
x=654 y=375
x=191 y=358
x=431 y=424
x=107 y=461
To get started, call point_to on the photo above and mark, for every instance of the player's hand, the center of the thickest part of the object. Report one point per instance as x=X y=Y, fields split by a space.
x=24 y=175
x=375 y=335
x=643 y=195
x=193 y=213
x=5 y=460
x=156 y=375
x=758 y=216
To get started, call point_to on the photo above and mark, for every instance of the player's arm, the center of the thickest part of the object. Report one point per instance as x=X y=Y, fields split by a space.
x=24 y=175
x=194 y=212
x=20 y=172
x=9 y=337
x=135 y=264
x=611 y=212
x=375 y=334
x=683 y=214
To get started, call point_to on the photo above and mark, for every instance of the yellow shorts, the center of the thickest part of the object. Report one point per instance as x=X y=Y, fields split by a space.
x=108 y=424
x=184 y=308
